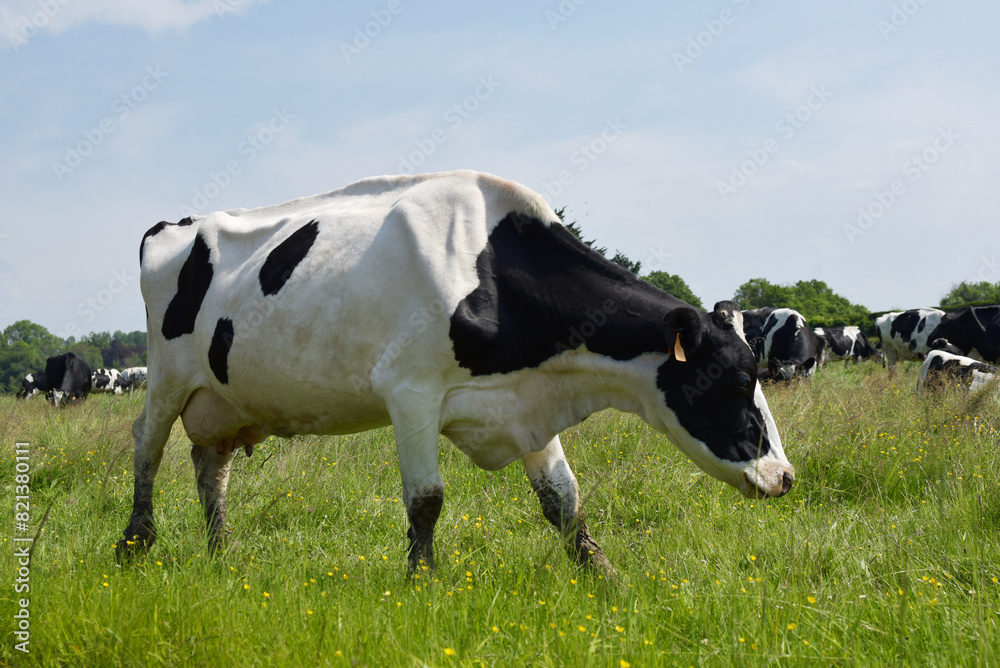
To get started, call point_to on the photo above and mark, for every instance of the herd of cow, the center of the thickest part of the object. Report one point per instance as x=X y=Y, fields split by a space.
x=957 y=344
x=68 y=378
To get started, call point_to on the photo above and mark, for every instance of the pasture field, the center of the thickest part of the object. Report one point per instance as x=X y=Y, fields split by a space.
x=886 y=551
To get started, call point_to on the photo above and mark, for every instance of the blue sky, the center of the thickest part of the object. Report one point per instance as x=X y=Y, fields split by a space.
x=852 y=142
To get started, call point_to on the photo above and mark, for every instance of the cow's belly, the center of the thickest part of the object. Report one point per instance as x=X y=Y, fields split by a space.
x=212 y=420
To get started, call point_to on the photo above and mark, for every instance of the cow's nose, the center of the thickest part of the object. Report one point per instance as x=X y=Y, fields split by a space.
x=786 y=482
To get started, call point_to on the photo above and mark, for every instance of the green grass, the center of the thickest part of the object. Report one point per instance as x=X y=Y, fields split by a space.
x=886 y=552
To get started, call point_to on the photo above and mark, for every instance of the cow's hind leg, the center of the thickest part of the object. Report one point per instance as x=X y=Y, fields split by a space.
x=211 y=468
x=150 y=431
x=559 y=494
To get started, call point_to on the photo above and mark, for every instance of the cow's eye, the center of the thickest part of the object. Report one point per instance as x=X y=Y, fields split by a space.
x=744 y=382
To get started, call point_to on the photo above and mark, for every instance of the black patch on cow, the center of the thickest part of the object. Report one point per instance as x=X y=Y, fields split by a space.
x=287 y=255
x=542 y=292
x=904 y=324
x=192 y=285
x=156 y=229
x=218 y=351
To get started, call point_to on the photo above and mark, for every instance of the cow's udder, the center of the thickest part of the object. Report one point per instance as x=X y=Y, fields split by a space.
x=211 y=421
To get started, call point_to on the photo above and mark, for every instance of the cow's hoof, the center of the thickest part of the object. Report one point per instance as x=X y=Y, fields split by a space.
x=127 y=549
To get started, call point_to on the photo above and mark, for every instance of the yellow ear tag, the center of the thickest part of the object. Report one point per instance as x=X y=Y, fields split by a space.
x=678 y=350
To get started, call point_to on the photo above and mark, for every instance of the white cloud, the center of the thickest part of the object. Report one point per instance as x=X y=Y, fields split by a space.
x=20 y=20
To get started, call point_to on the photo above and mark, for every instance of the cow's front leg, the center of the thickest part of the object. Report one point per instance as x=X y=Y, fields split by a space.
x=559 y=494
x=423 y=490
x=211 y=466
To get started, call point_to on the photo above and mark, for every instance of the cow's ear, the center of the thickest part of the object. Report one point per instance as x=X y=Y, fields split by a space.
x=683 y=332
x=727 y=314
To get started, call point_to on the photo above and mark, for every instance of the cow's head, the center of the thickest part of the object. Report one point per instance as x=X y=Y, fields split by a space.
x=716 y=411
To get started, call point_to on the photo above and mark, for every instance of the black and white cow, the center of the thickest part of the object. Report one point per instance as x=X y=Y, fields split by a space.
x=974 y=330
x=845 y=343
x=450 y=304
x=969 y=373
x=945 y=345
x=68 y=377
x=783 y=342
x=134 y=378
x=33 y=384
x=906 y=335
x=106 y=380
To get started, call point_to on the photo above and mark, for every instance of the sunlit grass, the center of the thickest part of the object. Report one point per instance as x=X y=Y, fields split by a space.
x=885 y=552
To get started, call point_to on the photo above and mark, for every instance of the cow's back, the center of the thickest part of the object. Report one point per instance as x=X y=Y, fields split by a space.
x=318 y=297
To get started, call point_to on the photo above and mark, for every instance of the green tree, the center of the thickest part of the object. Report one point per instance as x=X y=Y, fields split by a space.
x=33 y=335
x=815 y=300
x=620 y=258
x=759 y=292
x=971 y=294
x=17 y=360
x=676 y=286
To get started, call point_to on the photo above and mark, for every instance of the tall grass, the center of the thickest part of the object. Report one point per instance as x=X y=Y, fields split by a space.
x=885 y=552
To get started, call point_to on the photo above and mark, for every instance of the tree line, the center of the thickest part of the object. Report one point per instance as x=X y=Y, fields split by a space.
x=24 y=347
x=814 y=299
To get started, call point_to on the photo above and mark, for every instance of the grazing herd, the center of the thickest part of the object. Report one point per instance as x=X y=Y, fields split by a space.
x=67 y=378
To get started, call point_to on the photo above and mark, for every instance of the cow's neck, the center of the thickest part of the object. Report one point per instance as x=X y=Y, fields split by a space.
x=581 y=383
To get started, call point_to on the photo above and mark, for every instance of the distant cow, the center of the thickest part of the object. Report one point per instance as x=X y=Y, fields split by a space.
x=974 y=330
x=944 y=345
x=134 y=378
x=106 y=380
x=845 y=343
x=68 y=377
x=452 y=304
x=906 y=335
x=33 y=384
x=971 y=374
x=783 y=342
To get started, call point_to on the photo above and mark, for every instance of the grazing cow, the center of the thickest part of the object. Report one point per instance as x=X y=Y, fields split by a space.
x=974 y=331
x=845 y=343
x=134 y=377
x=906 y=335
x=106 y=380
x=783 y=342
x=447 y=303
x=33 y=383
x=971 y=374
x=68 y=377
x=944 y=345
